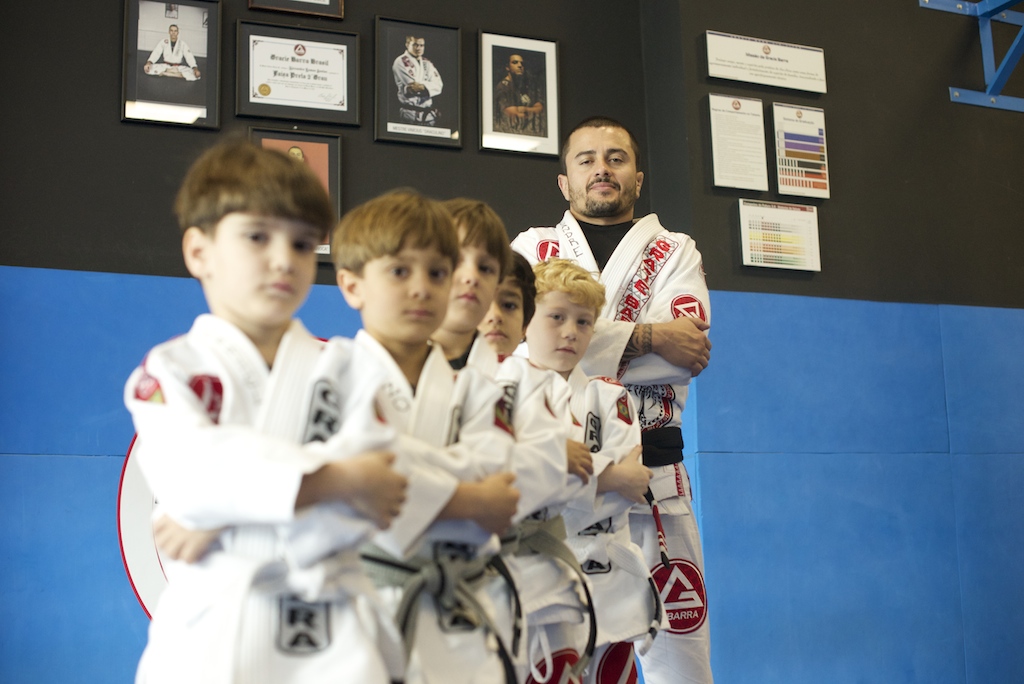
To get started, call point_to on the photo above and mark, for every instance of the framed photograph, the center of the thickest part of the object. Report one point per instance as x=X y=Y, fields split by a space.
x=294 y=73
x=171 y=63
x=518 y=94
x=320 y=151
x=418 y=78
x=320 y=8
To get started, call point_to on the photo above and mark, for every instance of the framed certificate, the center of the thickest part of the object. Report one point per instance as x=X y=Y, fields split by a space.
x=418 y=80
x=171 y=63
x=321 y=8
x=300 y=74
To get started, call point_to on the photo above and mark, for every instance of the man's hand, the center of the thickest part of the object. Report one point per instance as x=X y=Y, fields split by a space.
x=195 y=71
x=682 y=342
x=147 y=66
x=629 y=477
x=580 y=462
x=415 y=88
x=181 y=543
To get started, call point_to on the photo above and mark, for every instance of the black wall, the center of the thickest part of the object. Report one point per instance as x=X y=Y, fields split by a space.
x=927 y=196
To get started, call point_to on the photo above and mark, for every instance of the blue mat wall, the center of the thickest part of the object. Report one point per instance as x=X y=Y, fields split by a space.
x=858 y=466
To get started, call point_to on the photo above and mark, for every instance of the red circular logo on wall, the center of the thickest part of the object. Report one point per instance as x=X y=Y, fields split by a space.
x=688 y=305
x=682 y=591
x=547 y=249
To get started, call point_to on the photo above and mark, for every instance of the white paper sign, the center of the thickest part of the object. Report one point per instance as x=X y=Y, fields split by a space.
x=737 y=142
x=298 y=74
x=800 y=151
x=778 y=235
x=768 y=62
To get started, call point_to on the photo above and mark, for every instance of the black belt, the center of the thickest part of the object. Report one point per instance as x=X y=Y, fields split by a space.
x=662 y=446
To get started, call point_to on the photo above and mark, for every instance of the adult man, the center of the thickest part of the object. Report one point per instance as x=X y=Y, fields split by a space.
x=418 y=82
x=518 y=101
x=652 y=337
x=172 y=57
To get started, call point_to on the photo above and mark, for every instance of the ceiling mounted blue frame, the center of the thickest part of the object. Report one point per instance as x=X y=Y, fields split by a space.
x=988 y=11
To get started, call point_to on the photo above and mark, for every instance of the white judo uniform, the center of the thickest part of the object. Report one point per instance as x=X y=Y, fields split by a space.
x=177 y=56
x=653 y=276
x=416 y=108
x=628 y=607
x=225 y=441
x=451 y=605
x=551 y=593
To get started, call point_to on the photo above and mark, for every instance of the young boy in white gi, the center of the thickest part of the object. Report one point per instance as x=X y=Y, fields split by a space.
x=597 y=520
x=244 y=423
x=395 y=256
x=552 y=588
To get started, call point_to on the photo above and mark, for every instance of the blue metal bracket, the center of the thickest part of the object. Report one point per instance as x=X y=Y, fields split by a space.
x=988 y=11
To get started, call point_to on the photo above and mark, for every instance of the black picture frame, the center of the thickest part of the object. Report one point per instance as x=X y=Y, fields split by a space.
x=519 y=107
x=335 y=9
x=321 y=151
x=172 y=82
x=300 y=74
x=426 y=118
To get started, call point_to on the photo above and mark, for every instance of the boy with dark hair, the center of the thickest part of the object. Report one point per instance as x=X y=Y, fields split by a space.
x=249 y=423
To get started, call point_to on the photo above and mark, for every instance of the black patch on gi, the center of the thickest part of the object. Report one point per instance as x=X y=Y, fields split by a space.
x=324 y=413
x=592 y=567
x=303 y=628
x=592 y=437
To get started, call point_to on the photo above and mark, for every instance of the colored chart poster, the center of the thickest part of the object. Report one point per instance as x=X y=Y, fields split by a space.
x=800 y=151
x=779 y=235
x=737 y=142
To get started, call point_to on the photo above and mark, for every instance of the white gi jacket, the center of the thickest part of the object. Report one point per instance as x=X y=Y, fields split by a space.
x=225 y=441
x=173 y=54
x=653 y=276
x=407 y=69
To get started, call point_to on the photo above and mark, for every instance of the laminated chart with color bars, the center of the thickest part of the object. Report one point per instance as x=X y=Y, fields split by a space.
x=800 y=150
x=779 y=235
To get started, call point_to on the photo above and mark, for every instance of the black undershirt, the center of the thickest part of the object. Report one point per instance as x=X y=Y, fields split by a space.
x=604 y=239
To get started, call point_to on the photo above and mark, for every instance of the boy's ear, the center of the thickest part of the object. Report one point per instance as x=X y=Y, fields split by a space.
x=194 y=246
x=351 y=287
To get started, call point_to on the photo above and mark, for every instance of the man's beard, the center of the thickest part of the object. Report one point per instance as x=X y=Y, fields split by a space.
x=604 y=208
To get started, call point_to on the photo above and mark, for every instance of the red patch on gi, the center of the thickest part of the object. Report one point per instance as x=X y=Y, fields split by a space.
x=688 y=305
x=615 y=661
x=503 y=415
x=561 y=661
x=210 y=392
x=622 y=405
x=148 y=389
x=681 y=585
x=547 y=249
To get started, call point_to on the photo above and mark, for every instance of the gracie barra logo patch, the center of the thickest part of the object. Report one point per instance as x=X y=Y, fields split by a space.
x=324 y=418
x=210 y=392
x=689 y=306
x=622 y=406
x=547 y=249
x=303 y=628
x=503 y=410
x=148 y=389
x=638 y=292
x=681 y=586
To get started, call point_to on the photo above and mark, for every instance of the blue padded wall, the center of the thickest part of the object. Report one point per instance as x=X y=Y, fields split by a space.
x=846 y=540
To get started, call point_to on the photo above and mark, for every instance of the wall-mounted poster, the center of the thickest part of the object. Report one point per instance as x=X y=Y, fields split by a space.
x=737 y=142
x=800 y=150
x=518 y=94
x=171 y=65
x=779 y=235
x=293 y=73
x=321 y=8
x=418 y=76
x=320 y=151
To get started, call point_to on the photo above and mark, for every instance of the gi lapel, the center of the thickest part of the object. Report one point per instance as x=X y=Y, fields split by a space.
x=625 y=262
x=572 y=243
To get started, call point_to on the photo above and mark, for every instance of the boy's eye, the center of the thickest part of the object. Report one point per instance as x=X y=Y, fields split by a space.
x=304 y=246
x=510 y=306
x=399 y=271
x=439 y=274
x=258 y=237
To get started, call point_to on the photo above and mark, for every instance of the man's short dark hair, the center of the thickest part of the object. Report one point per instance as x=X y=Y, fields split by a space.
x=600 y=122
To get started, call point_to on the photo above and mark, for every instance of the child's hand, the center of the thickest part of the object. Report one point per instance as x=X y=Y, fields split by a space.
x=181 y=543
x=497 y=502
x=374 y=488
x=629 y=477
x=580 y=463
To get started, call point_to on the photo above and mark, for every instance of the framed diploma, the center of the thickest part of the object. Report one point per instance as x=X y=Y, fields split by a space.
x=418 y=77
x=172 y=63
x=320 y=151
x=518 y=94
x=294 y=73
x=320 y=8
